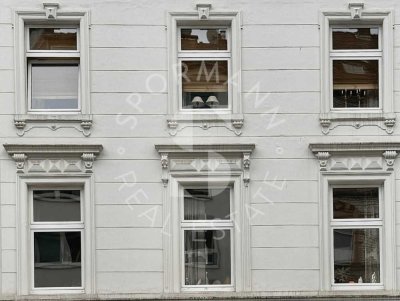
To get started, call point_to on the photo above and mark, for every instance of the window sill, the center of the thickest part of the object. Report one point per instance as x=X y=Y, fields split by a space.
x=330 y=121
x=80 y=122
x=205 y=121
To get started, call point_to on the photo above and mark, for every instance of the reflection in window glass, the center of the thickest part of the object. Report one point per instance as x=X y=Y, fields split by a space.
x=355 y=83
x=57 y=259
x=56 y=205
x=355 y=38
x=356 y=256
x=53 y=38
x=356 y=202
x=207 y=257
x=55 y=86
x=203 y=39
x=206 y=204
x=204 y=84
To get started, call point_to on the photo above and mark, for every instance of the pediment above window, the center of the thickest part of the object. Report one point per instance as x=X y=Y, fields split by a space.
x=53 y=158
x=356 y=157
x=201 y=159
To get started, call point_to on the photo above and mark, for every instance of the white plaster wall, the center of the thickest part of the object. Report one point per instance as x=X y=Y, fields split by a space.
x=280 y=51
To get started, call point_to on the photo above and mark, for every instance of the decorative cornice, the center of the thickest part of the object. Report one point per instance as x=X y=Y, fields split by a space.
x=204 y=148
x=205 y=158
x=366 y=156
x=52 y=158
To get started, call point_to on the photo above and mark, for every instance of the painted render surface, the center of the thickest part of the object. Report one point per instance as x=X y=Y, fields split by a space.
x=128 y=55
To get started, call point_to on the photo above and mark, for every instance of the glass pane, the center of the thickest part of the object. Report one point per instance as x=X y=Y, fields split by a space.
x=356 y=255
x=207 y=257
x=355 y=83
x=56 y=205
x=204 y=84
x=57 y=259
x=356 y=202
x=203 y=39
x=53 y=38
x=203 y=204
x=55 y=86
x=355 y=38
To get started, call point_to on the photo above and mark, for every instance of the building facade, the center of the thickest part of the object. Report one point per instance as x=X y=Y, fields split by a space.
x=176 y=149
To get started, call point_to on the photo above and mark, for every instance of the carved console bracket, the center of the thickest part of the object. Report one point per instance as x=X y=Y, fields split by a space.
x=53 y=158
x=330 y=122
x=233 y=125
x=356 y=157
x=205 y=159
x=80 y=123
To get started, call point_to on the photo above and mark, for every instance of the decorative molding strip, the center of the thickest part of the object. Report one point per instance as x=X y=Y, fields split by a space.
x=205 y=158
x=233 y=124
x=79 y=122
x=330 y=122
x=53 y=158
x=367 y=156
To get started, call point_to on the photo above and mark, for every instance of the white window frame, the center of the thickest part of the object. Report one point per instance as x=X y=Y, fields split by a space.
x=367 y=223
x=386 y=223
x=179 y=118
x=207 y=225
x=26 y=228
x=383 y=116
x=25 y=118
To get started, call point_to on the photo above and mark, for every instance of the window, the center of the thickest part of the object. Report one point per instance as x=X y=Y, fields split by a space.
x=204 y=56
x=357 y=70
x=52 y=65
x=207 y=235
x=56 y=232
x=357 y=230
x=53 y=68
x=204 y=71
x=356 y=56
x=206 y=196
x=358 y=202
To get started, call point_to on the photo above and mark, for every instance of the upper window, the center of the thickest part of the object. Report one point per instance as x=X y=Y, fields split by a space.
x=356 y=56
x=204 y=87
x=357 y=70
x=53 y=61
x=204 y=56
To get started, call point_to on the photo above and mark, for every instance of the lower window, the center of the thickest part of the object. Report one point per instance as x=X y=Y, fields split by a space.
x=207 y=229
x=56 y=227
x=356 y=233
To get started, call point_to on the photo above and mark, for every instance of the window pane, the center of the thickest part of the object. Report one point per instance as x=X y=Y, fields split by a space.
x=203 y=39
x=355 y=38
x=56 y=205
x=55 y=86
x=355 y=83
x=57 y=259
x=53 y=38
x=203 y=204
x=356 y=202
x=204 y=84
x=356 y=255
x=207 y=257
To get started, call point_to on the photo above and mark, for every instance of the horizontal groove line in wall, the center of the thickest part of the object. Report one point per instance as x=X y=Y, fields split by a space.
x=278 y=269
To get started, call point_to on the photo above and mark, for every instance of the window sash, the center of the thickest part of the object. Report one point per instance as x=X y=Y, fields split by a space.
x=380 y=84
x=364 y=51
x=52 y=62
x=52 y=52
x=32 y=261
x=203 y=52
x=356 y=285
